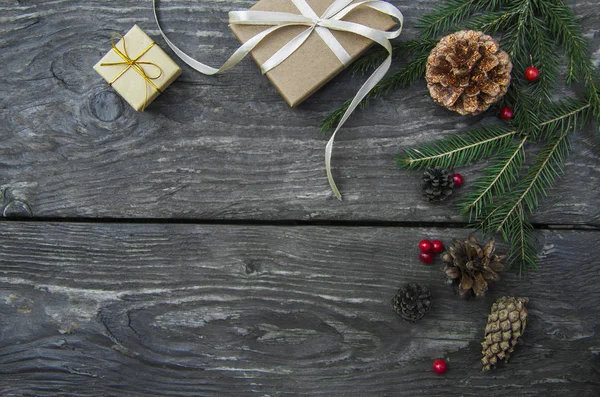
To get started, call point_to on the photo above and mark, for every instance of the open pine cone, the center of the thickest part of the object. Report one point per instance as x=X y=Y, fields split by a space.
x=473 y=266
x=467 y=72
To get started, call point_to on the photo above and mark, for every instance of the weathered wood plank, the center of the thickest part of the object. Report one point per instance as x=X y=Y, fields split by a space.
x=184 y=310
x=215 y=147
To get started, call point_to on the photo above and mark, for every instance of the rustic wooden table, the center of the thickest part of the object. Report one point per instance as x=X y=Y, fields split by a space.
x=195 y=249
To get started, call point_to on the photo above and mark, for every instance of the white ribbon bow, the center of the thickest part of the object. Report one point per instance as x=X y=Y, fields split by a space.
x=330 y=20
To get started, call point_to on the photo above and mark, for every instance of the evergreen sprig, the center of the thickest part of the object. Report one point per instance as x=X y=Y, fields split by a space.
x=413 y=70
x=511 y=188
x=458 y=150
x=503 y=172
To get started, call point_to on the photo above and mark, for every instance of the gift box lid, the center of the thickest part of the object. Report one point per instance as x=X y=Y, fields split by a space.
x=313 y=64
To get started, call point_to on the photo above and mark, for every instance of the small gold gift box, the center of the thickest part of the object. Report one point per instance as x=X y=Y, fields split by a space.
x=137 y=68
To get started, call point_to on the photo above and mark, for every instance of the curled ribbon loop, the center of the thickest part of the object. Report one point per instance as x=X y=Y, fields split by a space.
x=135 y=64
x=332 y=19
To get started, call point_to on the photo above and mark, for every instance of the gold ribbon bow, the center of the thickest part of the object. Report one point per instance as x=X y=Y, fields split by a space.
x=134 y=64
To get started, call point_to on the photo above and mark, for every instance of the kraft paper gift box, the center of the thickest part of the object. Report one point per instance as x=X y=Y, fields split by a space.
x=313 y=64
x=141 y=71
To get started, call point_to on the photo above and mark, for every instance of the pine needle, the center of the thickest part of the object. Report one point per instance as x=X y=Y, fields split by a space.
x=523 y=243
x=533 y=32
x=403 y=49
x=498 y=177
x=458 y=150
x=412 y=71
x=534 y=186
x=445 y=17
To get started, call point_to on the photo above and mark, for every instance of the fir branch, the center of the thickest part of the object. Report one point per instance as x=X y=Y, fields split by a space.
x=452 y=15
x=497 y=180
x=458 y=150
x=514 y=37
x=444 y=17
x=403 y=49
x=535 y=185
x=527 y=111
x=412 y=71
x=566 y=115
x=569 y=33
x=523 y=244
x=533 y=32
x=491 y=23
x=542 y=51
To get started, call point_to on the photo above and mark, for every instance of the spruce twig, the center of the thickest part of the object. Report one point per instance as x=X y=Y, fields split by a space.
x=403 y=49
x=458 y=150
x=535 y=185
x=445 y=17
x=532 y=32
x=502 y=173
x=412 y=71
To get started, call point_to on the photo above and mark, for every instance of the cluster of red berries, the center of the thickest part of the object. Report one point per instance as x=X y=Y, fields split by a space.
x=429 y=249
x=531 y=74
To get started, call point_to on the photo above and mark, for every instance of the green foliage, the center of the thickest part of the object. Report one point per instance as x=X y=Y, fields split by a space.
x=403 y=50
x=568 y=32
x=458 y=150
x=501 y=174
x=533 y=32
x=528 y=191
x=567 y=114
x=523 y=244
x=445 y=17
x=413 y=70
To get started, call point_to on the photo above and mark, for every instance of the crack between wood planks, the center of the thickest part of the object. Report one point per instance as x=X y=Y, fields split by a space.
x=284 y=223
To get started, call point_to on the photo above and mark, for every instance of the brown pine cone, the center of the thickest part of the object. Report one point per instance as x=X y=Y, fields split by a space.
x=472 y=266
x=506 y=324
x=437 y=184
x=412 y=302
x=467 y=72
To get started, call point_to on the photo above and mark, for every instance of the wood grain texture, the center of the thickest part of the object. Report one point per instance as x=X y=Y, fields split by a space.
x=184 y=310
x=224 y=147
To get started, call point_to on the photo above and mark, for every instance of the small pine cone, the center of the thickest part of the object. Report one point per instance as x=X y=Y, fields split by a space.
x=505 y=325
x=412 y=302
x=437 y=184
x=467 y=72
x=472 y=267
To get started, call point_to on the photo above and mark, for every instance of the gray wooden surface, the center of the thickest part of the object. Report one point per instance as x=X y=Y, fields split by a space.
x=222 y=147
x=166 y=254
x=185 y=310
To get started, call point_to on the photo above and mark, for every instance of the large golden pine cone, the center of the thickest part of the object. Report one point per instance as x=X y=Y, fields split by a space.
x=467 y=72
x=472 y=266
x=506 y=324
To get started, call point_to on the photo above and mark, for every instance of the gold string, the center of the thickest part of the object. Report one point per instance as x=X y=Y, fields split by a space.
x=134 y=64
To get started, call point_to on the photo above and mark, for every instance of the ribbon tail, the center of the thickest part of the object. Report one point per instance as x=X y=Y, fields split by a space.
x=236 y=58
x=360 y=95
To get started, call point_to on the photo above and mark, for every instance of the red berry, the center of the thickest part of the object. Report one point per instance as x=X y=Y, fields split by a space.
x=425 y=246
x=440 y=366
x=506 y=113
x=426 y=257
x=438 y=246
x=532 y=73
x=458 y=180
